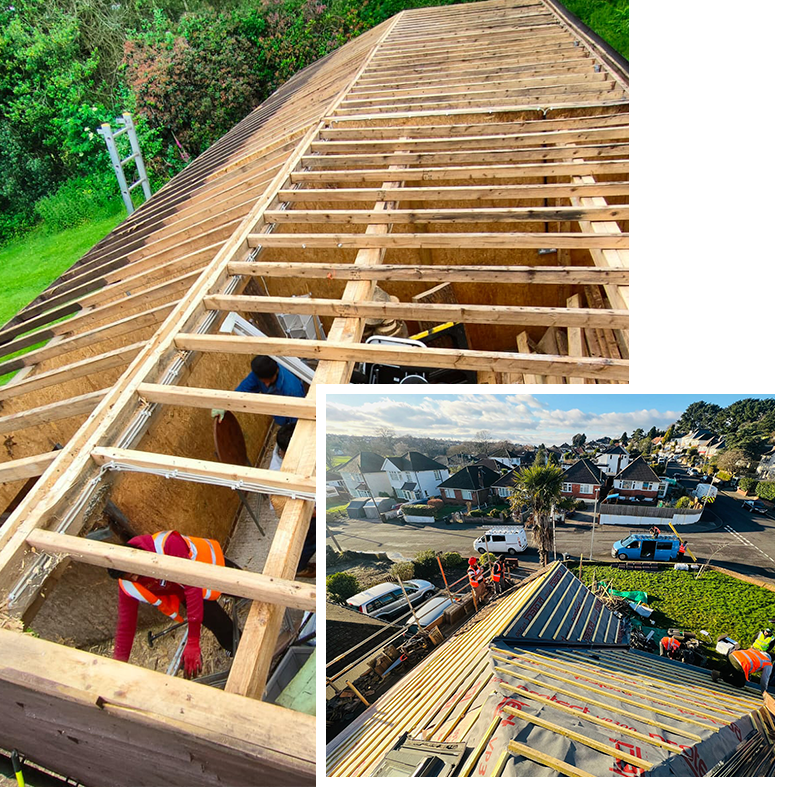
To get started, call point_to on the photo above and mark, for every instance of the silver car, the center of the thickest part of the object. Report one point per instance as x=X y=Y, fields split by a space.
x=387 y=597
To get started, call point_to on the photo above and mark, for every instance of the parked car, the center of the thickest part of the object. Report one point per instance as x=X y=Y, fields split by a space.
x=431 y=612
x=644 y=546
x=502 y=539
x=387 y=597
x=755 y=506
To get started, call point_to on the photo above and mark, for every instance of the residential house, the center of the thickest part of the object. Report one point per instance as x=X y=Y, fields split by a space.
x=472 y=484
x=363 y=475
x=494 y=464
x=335 y=485
x=613 y=460
x=707 y=443
x=505 y=456
x=637 y=479
x=504 y=486
x=582 y=481
x=414 y=475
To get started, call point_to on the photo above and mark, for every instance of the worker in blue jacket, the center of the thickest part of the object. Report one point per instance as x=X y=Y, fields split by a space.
x=268 y=377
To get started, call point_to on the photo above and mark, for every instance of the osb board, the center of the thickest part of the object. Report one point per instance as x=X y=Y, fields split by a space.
x=153 y=503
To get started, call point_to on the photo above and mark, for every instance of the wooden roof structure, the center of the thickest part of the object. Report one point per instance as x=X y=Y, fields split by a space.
x=482 y=146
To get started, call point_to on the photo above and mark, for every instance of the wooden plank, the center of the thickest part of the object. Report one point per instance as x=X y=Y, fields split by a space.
x=441 y=240
x=98 y=363
x=424 y=312
x=352 y=352
x=509 y=274
x=28 y=467
x=65 y=408
x=522 y=750
x=236 y=582
x=524 y=347
x=236 y=401
x=445 y=215
x=204 y=470
x=111 y=723
x=575 y=343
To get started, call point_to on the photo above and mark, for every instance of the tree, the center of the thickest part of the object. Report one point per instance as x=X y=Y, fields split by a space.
x=624 y=439
x=765 y=490
x=734 y=461
x=342 y=585
x=684 y=502
x=579 y=439
x=482 y=443
x=700 y=415
x=540 y=458
x=539 y=488
x=385 y=439
x=668 y=435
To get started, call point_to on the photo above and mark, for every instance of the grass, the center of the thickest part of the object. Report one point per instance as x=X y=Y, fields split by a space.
x=610 y=19
x=28 y=266
x=717 y=603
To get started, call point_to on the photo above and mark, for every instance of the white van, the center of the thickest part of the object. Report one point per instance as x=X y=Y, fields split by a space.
x=387 y=597
x=502 y=539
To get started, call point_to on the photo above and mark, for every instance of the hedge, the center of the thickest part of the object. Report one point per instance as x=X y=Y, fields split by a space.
x=420 y=510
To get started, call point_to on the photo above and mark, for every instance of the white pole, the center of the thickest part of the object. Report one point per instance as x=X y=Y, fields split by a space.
x=593 y=523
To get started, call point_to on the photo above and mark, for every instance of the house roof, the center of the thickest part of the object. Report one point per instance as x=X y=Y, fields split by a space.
x=414 y=462
x=408 y=486
x=364 y=462
x=544 y=683
x=494 y=464
x=582 y=472
x=616 y=449
x=473 y=477
x=637 y=470
x=507 y=481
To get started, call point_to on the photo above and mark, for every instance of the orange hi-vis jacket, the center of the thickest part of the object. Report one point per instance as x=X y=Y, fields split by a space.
x=751 y=660
x=475 y=575
x=203 y=550
x=670 y=643
x=496 y=572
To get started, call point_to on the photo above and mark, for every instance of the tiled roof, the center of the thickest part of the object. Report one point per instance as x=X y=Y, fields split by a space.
x=414 y=461
x=365 y=462
x=582 y=472
x=638 y=470
x=474 y=477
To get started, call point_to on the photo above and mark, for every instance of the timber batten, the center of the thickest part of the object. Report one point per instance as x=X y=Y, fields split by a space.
x=482 y=147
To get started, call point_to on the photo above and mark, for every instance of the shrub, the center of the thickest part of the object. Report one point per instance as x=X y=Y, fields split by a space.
x=765 y=490
x=336 y=514
x=403 y=571
x=420 y=510
x=436 y=502
x=476 y=512
x=452 y=560
x=748 y=485
x=580 y=505
x=425 y=564
x=724 y=475
x=77 y=201
x=684 y=502
x=342 y=586
x=487 y=558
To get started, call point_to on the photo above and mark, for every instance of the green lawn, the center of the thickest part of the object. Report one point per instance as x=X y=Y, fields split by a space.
x=610 y=19
x=28 y=266
x=717 y=603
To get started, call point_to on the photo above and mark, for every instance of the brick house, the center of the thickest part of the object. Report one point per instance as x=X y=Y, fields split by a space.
x=637 y=479
x=582 y=481
x=470 y=484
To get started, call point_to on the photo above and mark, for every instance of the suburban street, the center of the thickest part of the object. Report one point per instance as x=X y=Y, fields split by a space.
x=748 y=539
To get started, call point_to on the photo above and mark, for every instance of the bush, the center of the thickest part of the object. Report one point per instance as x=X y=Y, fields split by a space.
x=420 y=510
x=436 y=502
x=341 y=586
x=452 y=560
x=425 y=564
x=684 y=502
x=724 y=475
x=77 y=201
x=403 y=571
x=336 y=514
x=580 y=505
x=765 y=490
x=476 y=512
x=748 y=485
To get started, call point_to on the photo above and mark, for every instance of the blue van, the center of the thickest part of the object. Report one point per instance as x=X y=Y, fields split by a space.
x=644 y=546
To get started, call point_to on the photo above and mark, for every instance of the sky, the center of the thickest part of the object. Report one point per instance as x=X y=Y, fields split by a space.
x=521 y=418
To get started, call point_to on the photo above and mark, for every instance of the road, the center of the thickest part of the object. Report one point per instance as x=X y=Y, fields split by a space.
x=748 y=539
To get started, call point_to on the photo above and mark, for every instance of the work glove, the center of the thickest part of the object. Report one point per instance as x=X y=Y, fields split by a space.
x=192 y=660
x=218 y=413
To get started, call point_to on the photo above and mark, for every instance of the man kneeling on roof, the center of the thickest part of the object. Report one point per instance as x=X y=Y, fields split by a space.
x=669 y=646
x=745 y=663
x=201 y=604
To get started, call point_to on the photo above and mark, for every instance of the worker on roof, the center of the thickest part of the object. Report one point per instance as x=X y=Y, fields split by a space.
x=201 y=604
x=669 y=646
x=746 y=663
x=655 y=531
x=764 y=642
x=497 y=575
x=268 y=377
x=475 y=573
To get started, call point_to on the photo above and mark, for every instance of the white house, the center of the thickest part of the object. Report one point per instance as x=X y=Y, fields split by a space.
x=637 y=480
x=613 y=460
x=414 y=475
x=363 y=475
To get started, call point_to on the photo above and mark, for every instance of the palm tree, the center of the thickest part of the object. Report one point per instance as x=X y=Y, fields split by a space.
x=540 y=489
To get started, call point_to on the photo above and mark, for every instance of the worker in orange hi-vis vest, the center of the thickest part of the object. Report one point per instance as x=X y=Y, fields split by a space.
x=201 y=604
x=475 y=573
x=751 y=661
x=669 y=646
x=497 y=575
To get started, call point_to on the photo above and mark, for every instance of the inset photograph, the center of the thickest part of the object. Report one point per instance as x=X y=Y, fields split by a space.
x=549 y=584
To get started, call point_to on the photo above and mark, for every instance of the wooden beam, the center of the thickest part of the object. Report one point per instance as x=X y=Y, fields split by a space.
x=29 y=467
x=442 y=240
x=353 y=352
x=444 y=193
x=204 y=470
x=505 y=274
x=236 y=401
x=66 y=408
x=522 y=750
x=576 y=346
x=446 y=215
x=425 y=312
x=245 y=584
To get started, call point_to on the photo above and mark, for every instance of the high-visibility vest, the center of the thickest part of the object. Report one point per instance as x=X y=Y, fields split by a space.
x=750 y=660
x=475 y=575
x=203 y=550
x=763 y=643
x=496 y=572
x=670 y=643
